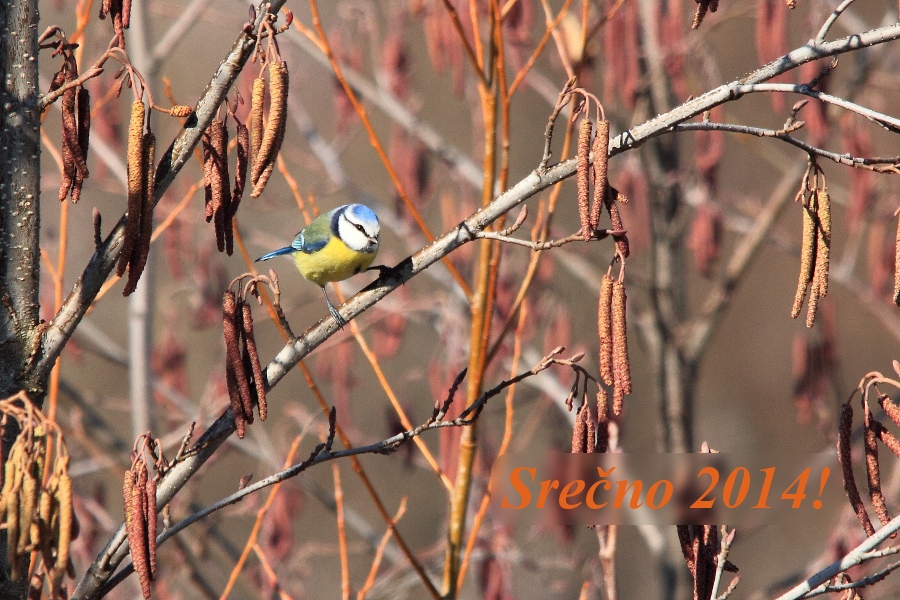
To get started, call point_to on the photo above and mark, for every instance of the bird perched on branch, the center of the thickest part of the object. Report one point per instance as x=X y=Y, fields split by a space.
x=335 y=246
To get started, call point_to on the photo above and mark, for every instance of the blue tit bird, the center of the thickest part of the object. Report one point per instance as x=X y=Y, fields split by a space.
x=335 y=246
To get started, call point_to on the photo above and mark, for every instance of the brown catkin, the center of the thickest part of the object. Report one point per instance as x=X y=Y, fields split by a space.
x=583 y=177
x=807 y=257
x=136 y=178
x=243 y=160
x=70 y=150
x=142 y=244
x=275 y=126
x=843 y=445
x=257 y=99
x=873 y=470
x=27 y=507
x=253 y=356
x=591 y=433
x=890 y=408
x=139 y=556
x=150 y=515
x=84 y=142
x=621 y=367
x=823 y=242
x=604 y=324
x=602 y=422
x=579 y=432
x=611 y=200
x=231 y=312
x=219 y=180
x=888 y=439
x=897 y=263
x=13 y=530
x=263 y=180
x=601 y=171
x=64 y=497
x=237 y=409
x=208 y=175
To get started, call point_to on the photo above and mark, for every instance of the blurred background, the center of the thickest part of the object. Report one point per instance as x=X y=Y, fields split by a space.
x=763 y=382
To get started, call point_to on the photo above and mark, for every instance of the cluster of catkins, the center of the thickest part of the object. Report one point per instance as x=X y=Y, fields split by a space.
x=75 y=105
x=139 y=497
x=816 y=251
x=243 y=373
x=139 y=225
x=874 y=432
x=222 y=200
x=266 y=137
x=38 y=516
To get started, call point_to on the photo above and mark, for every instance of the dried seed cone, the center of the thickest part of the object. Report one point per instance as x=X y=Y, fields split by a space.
x=897 y=265
x=601 y=171
x=621 y=367
x=845 y=431
x=823 y=242
x=257 y=100
x=136 y=179
x=604 y=324
x=253 y=355
x=807 y=258
x=583 y=177
x=181 y=111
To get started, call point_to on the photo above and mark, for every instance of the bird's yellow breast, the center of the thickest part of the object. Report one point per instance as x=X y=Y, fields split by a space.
x=334 y=262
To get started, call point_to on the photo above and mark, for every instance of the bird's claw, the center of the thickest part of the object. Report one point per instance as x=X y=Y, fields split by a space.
x=341 y=321
x=386 y=271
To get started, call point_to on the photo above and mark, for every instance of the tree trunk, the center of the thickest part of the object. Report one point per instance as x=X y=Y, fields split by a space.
x=19 y=217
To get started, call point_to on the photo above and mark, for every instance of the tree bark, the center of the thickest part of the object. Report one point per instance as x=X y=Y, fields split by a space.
x=19 y=218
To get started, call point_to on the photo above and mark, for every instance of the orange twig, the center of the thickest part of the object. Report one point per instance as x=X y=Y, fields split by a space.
x=260 y=515
x=504 y=446
x=376 y=144
x=342 y=531
x=379 y=552
x=354 y=461
x=520 y=76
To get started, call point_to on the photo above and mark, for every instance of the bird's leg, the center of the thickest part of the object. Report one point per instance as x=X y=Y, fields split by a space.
x=331 y=309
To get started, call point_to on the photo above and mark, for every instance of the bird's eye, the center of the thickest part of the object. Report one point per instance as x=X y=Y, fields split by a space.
x=359 y=227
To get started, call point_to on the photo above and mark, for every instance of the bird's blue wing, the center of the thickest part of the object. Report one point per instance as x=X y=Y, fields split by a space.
x=312 y=239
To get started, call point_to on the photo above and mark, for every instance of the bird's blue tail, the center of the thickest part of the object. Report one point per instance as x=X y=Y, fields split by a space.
x=285 y=250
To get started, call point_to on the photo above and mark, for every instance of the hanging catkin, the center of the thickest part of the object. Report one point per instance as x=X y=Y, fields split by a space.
x=583 y=177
